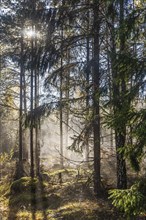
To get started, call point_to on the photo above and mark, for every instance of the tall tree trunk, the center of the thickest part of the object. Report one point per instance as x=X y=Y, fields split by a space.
x=31 y=110
x=87 y=80
x=61 y=124
x=61 y=106
x=37 y=123
x=67 y=82
x=96 y=109
x=25 y=144
x=118 y=92
x=121 y=135
x=20 y=172
x=37 y=127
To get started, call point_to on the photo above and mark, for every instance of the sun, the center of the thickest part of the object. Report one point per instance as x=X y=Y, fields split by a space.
x=29 y=33
x=137 y=2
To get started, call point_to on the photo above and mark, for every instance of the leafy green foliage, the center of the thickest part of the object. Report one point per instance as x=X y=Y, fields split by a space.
x=136 y=152
x=5 y=157
x=130 y=201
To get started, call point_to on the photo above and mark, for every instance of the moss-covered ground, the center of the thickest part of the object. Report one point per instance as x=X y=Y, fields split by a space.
x=57 y=194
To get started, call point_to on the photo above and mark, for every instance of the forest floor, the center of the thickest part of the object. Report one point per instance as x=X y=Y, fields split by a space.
x=59 y=194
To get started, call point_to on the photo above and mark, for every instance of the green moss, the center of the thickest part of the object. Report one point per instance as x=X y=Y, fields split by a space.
x=21 y=200
x=54 y=173
x=78 y=210
x=66 y=171
x=24 y=215
x=24 y=184
x=4 y=188
x=30 y=200
x=27 y=184
x=38 y=215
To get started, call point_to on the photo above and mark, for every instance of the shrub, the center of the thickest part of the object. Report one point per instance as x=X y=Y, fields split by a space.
x=130 y=201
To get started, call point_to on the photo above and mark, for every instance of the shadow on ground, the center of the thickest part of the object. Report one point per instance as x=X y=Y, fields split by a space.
x=29 y=197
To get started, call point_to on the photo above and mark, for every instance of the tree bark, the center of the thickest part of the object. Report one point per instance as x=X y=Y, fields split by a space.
x=118 y=104
x=96 y=109
x=87 y=80
x=61 y=107
x=20 y=172
x=31 y=111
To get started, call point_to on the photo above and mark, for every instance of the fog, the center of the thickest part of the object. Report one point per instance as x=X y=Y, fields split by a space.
x=50 y=143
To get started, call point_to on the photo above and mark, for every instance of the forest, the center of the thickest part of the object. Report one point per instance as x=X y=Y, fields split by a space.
x=73 y=110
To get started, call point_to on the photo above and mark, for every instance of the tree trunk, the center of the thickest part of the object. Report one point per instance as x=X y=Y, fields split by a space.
x=31 y=111
x=121 y=165
x=61 y=107
x=118 y=92
x=25 y=138
x=96 y=109
x=87 y=81
x=37 y=123
x=67 y=82
x=20 y=171
x=121 y=138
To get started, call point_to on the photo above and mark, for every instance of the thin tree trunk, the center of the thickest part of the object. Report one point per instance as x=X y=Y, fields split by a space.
x=25 y=145
x=20 y=172
x=31 y=111
x=87 y=81
x=67 y=101
x=61 y=107
x=37 y=131
x=61 y=124
x=37 y=123
x=96 y=109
